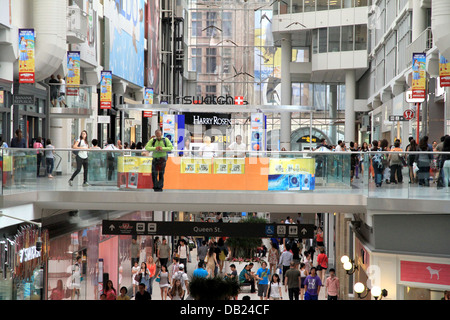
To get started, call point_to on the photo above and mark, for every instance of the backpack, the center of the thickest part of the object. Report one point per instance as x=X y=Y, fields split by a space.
x=154 y=142
x=377 y=160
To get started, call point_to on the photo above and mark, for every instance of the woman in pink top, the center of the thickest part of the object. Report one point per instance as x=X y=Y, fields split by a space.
x=110 y=291
x=38 y=145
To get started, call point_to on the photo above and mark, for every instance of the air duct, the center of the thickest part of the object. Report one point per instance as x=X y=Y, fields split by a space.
x=440 y=24
x=50 y=24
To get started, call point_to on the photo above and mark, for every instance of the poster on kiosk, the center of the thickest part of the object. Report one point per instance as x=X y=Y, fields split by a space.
x=257 y=132
x=169 y=128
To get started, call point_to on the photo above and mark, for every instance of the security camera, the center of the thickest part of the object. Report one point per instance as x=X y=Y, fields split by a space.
x=39 y=244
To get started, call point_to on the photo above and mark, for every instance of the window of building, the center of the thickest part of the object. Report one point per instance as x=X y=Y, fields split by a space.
x=347 y=38
x=361 y=37
x=335 y=4
x=361 y=3
x=211 y=90
x=211 y=20
x=226 y=60
x=348 y=3
x=227 y=24
x=322 y=5
x=196 y=21
x=196 y=59
x=211 y=60
x=309 y=5
x=323 y=40
x=297 y=6
x=334 y=39
x=315 y=42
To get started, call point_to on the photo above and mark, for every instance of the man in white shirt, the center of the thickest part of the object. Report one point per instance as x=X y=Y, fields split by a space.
x=62 y=91
x=238 y=147
x=339 y=146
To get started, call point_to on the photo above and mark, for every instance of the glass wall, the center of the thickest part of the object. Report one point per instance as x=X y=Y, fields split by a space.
x=335 y=39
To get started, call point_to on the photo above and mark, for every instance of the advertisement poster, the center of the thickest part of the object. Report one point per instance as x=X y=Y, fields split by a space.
x=125 y=39
x=73 y=68
x=169 y=127
x=134 y=172
x=444 y=71
x=291 y=174
x=419 y=75
x=26 y=55
x=257 y=132
x=153 y=45
x=148 y=99
x=196 y=165
x=229 y=166
x=106 y=90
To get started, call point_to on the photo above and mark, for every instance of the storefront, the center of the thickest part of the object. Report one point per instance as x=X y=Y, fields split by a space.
x=24 y=267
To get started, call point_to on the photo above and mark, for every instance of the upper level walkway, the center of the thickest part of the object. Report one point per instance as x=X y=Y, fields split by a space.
x=263 y=182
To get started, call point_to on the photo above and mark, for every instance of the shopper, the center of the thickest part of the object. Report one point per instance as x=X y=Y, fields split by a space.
x=177 y=291
x=163 y=252
x=377 y=164
x=49 y=158
x=313 y=285
x=423 y=163
x=322 y=263
x=81 y=157
x=246 y=277
x=38 y=145
x=273 y=257
x=262 y=275
x=135 y=271
x=183 y=252
x=444 y=165
x=332 y=286
x=202 y=251
x=123 y=294
x=58 y=292
x=285 y=260
x=183 y=277
x=54 y=90
x=145 y=277
x=110 y=292
x=396 y=163
x=142 y=294
x=223 y=253
x=62 y=91
x=207 y=149
x=211 y=261
x=135 y=251
x=303 y=275
x=274 y=288
x=411 y=159
x=151 y=266
x=164 y=281
x=159 y=146
x=292 y=281
x=200 y=272
x=238 y=147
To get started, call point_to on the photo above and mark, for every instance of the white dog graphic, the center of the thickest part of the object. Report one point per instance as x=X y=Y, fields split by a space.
x=433 y=272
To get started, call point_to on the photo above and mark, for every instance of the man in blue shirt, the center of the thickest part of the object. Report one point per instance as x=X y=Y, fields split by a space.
x=200 y=272
x=262 y=275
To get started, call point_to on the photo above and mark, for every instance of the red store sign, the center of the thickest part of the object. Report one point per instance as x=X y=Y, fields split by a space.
x=423 y=272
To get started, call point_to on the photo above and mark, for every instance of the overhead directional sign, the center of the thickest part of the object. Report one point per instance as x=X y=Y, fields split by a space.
x=247 y=230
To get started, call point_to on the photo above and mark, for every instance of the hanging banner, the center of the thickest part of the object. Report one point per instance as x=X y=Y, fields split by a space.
x=444 y=71
x=106 y=90
x=169 y=127
x=148 y=96
x=73 y=68
x=419 y=75
x=26 y=55
x=257 y=132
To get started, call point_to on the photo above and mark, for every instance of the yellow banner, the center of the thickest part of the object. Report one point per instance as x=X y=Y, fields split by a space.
x=291 y=166
x=229 y=166
x=134 y=164
x=196 y=165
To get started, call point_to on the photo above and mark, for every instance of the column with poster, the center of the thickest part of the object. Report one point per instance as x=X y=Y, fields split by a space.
x=444 y=71
x=73 y=73
x=169 y=128
x=26 y=55
x=106 y=90
x=148 y=100
x=419 y=75
x=257 y=139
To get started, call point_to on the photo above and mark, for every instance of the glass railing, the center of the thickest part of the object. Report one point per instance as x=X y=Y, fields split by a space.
x=421 y=175
x=70 y=96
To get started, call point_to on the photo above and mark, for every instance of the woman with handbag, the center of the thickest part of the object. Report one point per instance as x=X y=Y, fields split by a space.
x=164 y=281
x=143 y=276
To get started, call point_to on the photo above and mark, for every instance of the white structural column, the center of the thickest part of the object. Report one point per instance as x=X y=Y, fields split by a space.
x=286 y=91
x=419 y=20
x=350 y=84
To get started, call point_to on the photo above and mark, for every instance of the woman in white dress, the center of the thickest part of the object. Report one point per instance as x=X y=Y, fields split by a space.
x=274 y=288
x=134 y=271
x=207 y=149
x=164 y=281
